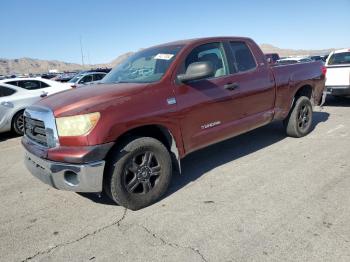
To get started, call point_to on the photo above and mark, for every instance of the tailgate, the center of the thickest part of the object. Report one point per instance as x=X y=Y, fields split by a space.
x=338 y=76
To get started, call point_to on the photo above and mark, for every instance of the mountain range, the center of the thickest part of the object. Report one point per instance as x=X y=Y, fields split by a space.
x=35 y=66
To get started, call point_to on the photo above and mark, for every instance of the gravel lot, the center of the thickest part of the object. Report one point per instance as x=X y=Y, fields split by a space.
x=258 y=197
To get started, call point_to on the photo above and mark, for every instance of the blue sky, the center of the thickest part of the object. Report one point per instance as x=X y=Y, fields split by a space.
x=52 y=29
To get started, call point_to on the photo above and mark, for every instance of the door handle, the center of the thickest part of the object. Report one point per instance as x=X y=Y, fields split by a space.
x=44 y=94
x=231 y=86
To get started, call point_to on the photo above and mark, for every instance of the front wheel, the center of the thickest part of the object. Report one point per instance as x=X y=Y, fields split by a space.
x=138 y=173
x=299 y=120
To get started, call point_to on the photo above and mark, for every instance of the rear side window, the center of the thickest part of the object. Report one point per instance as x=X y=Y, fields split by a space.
x=339 y=59
x=5 y=91
x=242 y=57
x=98 y=77
x=86 y=79
x=14 y=83
x=43 y=85
x=29 y=84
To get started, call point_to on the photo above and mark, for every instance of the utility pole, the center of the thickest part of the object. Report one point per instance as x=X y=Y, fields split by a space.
x=81 y=50
x=88 y=54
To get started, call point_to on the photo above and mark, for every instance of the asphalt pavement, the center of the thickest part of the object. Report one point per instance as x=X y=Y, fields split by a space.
x=261 y=196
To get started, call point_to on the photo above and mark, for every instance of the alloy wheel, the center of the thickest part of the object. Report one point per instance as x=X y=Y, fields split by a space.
x=141 y=173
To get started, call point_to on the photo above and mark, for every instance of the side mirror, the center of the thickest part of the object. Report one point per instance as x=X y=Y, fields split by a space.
x=269 y=60
x=196 y=71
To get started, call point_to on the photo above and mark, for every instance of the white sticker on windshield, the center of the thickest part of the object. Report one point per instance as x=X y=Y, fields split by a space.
x=164 y=56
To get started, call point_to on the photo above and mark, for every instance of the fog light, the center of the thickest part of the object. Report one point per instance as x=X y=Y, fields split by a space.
x=71 y=178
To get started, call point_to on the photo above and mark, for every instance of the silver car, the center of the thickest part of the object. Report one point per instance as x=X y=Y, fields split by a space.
x=16 y=97
x=86 y=78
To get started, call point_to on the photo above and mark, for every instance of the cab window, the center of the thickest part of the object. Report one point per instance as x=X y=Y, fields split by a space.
x=212 y=52
x=243 y=58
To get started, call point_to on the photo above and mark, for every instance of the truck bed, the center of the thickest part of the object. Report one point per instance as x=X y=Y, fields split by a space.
x=289 y=77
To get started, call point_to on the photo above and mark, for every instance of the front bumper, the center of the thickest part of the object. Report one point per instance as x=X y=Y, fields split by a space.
x=338 y=90
x=72 y=177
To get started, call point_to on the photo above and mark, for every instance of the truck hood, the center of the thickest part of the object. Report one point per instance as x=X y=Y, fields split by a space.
x=91 y=98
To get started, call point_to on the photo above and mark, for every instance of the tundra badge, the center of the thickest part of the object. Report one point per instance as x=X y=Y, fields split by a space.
x=212 y=124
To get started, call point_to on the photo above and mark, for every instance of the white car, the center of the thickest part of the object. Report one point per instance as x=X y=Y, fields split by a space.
x=338 y=73
x=18 y=93
x=293 y=60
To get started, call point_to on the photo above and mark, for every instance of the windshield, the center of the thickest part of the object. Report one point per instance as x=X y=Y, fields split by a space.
x=146 y=66
x=339 y=59
x=74 y=79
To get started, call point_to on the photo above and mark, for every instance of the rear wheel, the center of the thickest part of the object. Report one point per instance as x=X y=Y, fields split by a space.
x=299 y=121
x=18 y=123
x=138 y=173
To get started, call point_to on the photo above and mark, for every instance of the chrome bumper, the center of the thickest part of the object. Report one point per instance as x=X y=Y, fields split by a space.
x=71 y=177
x=339 y=90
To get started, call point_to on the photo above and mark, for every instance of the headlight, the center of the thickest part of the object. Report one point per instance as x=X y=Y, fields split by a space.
x=76 y=125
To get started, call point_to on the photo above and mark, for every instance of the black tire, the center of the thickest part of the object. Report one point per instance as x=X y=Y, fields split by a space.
x=18 y=123
x=299 y=120
x=137 y=165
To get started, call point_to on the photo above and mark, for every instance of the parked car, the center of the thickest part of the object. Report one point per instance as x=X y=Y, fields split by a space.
x=85 y=78
x=126 y=136
x=316 y=58
x=104 y=70
x=18 y=93
x=65 y=77
x=324 y=58
x=272 y=58
x=48 y=76
x=293 y=60
x=338 y=73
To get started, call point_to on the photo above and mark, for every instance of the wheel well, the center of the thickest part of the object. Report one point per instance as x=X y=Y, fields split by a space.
x=304 y=91
x=13 y=117
x=157 y=132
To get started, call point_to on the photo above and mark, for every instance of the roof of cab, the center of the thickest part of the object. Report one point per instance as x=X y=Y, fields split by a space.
x=203 y=39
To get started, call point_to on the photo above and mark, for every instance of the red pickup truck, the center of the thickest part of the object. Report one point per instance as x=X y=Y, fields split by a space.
x=126 y=134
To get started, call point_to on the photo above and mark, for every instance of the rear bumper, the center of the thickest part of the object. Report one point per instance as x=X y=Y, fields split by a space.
x=338 y=90
x=72 y=177
x=5 y=124
x=5 y=128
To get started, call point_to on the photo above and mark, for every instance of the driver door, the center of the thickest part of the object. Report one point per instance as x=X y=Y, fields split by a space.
x=207 y=106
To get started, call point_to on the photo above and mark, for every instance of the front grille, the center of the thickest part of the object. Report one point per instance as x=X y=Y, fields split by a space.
x=35 y=130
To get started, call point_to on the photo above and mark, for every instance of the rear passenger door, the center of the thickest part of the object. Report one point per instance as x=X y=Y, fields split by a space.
x=254 y=82
x=98 y=77
x=86 y=79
